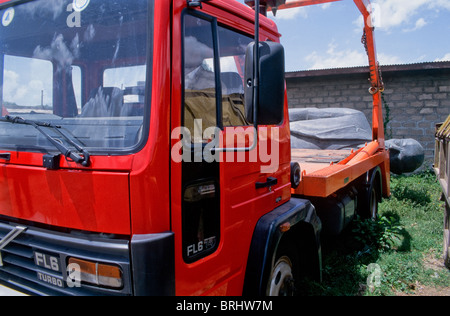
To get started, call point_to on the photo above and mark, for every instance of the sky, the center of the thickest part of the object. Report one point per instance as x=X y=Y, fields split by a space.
x=314 y=37
x=329 y=35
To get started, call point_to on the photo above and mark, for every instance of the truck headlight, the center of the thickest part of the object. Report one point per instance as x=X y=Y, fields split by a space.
x=96 y=273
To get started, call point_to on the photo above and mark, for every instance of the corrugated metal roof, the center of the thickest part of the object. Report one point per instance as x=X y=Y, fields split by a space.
x=364 y=69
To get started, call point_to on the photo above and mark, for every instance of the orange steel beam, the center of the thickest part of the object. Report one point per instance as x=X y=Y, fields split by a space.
x=366 y=152
x=376 y=81
x=326 y=181
x=323 y=182
x=302 y=3
x=377 y=86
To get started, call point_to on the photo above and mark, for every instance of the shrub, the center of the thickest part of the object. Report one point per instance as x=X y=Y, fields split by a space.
x=383 y=233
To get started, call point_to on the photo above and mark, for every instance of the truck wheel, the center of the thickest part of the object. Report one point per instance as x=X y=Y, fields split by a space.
x=447 y=236
x=368 y=199
x=368 y=203
x=285 y=275
x=281 y=282
x=373 y=203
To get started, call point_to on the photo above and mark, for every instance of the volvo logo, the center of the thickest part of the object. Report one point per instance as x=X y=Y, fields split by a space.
x=10 y=237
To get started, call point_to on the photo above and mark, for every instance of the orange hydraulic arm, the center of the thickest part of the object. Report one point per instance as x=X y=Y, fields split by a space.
x=302 y=3
x=376 y=80
x=368 y=41
x=324 y=181
x=275 y=5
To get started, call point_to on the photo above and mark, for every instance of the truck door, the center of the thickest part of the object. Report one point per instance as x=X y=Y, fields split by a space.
x=224 y=188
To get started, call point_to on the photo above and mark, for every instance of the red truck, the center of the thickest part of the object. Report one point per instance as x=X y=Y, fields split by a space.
x=145 y=150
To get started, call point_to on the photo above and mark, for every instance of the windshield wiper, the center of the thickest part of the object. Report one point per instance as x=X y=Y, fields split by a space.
x=82 y=157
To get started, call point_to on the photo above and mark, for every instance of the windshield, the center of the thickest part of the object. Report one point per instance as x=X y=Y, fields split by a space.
x=78 y=64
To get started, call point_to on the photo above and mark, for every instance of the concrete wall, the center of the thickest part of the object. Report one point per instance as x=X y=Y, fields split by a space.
x=417 y=96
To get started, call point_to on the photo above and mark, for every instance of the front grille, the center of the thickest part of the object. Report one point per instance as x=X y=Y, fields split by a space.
x=20 y=270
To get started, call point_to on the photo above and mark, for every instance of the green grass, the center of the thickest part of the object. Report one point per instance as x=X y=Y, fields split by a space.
x=395 y=254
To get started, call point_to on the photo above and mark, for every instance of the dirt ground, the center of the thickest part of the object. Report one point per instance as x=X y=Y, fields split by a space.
x=421 y=290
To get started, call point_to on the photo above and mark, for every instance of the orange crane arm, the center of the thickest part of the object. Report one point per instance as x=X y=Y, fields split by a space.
x=377 y=86
x=275 y=5
x=376 y=80
x=302 y=3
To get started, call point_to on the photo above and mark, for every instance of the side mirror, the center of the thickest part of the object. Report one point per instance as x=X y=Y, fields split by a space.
x=271 y=83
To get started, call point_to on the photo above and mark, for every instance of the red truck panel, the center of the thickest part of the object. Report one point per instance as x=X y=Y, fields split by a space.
x=85 y=200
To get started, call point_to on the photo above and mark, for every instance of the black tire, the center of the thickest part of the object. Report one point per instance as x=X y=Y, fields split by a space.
x=368 y=199
x=295 y=174
x=373 y=203
x=284 y=275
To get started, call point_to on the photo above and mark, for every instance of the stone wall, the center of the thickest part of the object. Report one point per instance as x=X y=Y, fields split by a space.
x=416 y=96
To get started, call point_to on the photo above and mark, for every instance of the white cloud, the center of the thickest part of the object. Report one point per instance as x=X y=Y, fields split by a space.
x=25 y=79
x=395 y=13
x=289 y=14
x=445 y=58
x=420 y=23
x=13 y=90
x=335 y=58
x=10 y=85
x=399 y=13
x=385 y=59
x=440 y=4
x=300 y=12
x=325 y=5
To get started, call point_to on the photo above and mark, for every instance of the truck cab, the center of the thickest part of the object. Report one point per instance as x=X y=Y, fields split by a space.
x=145 y=150
x=108 y=108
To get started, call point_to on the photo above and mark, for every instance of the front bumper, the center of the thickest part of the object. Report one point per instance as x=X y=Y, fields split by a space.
x=146 y=261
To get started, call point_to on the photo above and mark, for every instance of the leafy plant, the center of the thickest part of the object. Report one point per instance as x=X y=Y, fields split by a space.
x=387 y=117
x=383 y=233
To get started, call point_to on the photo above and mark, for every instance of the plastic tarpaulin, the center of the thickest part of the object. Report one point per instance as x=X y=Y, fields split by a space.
x=328 y=128
x=406 y=155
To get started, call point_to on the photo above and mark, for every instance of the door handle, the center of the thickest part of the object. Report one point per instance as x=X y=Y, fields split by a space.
x=269 y=182
x=5 y=156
